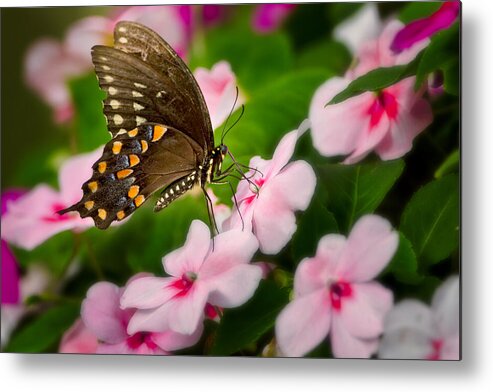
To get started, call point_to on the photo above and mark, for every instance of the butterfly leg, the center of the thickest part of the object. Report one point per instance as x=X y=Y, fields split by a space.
x=234 y=198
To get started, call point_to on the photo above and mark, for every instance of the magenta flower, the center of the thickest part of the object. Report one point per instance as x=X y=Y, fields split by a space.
x=201 y=273
x=103 y=317
x=219 y=88
x=414 y=330
x=335 y=293
x=33 y=218
x=10 y=269
x=281 y=188
x=269 y=17
x=421 y=29
x=385 y=122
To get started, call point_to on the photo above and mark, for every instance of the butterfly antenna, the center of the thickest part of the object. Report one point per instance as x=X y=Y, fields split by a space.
x=230 y=113
x=236 y=122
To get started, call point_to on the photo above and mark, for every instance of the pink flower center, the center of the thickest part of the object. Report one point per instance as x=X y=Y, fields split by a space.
x=436 y=346
x=54 y=217
x=338 y=291
x=140 y=338
x=255 y=190
x=184 y=284
x=210 y=311
x=384 y=103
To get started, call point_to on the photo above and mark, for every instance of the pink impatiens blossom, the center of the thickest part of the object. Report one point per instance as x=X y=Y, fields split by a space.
x=269 y=17
x=281 y=188
x=421 y=29
x=385 y=122
x=78 y=339
x=414 y=330
x=201 y=272
x=335 y=293
x=103 y=317
x=32 y=219
x=219 y=88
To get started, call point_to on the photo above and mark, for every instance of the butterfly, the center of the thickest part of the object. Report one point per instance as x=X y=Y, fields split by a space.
x=162 y=137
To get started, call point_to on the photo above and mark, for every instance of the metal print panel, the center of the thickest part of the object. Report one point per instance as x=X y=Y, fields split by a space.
x=264 y=180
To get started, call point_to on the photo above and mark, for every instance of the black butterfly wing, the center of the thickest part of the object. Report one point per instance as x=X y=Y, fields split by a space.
x=145 y=79
x=133 y=166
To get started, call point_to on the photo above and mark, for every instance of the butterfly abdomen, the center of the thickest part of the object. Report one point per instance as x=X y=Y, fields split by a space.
x=175 y=190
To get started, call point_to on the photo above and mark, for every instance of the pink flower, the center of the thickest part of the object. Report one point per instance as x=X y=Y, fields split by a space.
x=421 y=29
x=33 y=218
x=102 y=315
x=201 y=272
x=361 y=27
x=385 y=122
x=49 y=64
x=335 y=293
x=78 y=340
x=281 y=188
x=269 y=17
x=416 y=331
x=219 y=88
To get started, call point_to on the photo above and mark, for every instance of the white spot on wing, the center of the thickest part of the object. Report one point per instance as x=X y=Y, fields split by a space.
x=138 y=106
x=112 y=90
x=121 y=132
x=115 y=104
x=140 y=85
x=136 y=94
x=106 y=68
x=123 y=40
x=117 y=119
x=139 y=120
x=108 y=78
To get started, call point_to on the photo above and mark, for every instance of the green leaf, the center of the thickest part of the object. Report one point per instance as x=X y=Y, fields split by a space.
x=451 y=76
x=272 y=112
x=418 y=10
x=451 y=164
x=315 y=222
x=431 y=220
x=255 y=59
x=404 y=265
x=55 y=253
x=89 y=120
x=441 y=54
x=355 y=190
x=243 y=326
x=328 y=54
x=45 y=331
x=377 y=80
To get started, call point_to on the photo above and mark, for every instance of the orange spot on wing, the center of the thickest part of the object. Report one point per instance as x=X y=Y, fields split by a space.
x=134 y=160
x=133 y=191
x=102 y=213
x=123 y=173
x=139 y=200
x=144 y=145
x=102 y=167
x=89 y=205
x=117 y=147
x=93 y=186
x=120 y=215
x=133 y=132
x=158 y=132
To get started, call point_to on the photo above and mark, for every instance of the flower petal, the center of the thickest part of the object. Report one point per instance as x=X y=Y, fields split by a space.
x=101 y=313
x=345 y=345
x=445 y=306
x=358 y=314
x=314 y=273
x=370 y=247
x=230 y=249
x=147 y=293
x=303 y=323
x=78 y=339
x=295 y=185
x=189 y=257
x=337 y=128
x=171 y=341
x=187 y=312
x=410 y=315
x=236 y=286
x=404 y=344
